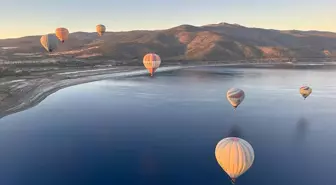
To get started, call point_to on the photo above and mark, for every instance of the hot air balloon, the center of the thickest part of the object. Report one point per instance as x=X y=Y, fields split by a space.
x=62 y=34
x=235 y=96
x=100 y=29
x=305 y=91
x=49 y=42
x=235 y=156
x=151 y=61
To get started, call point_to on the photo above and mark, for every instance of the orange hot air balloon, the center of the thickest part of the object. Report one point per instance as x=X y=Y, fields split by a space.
x=100 y=29
x=305 y=91
x=62 y=34
x=235 y=156
x=151 y=61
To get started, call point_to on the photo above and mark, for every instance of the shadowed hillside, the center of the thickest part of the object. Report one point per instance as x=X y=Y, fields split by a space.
x=221 y=41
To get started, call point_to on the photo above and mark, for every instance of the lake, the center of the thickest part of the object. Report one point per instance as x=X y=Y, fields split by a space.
x=164 y=130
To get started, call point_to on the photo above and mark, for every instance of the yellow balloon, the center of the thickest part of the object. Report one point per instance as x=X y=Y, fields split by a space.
x=49 y=42
x=235 y=96
x=305 y=91
x=100 y=29
x=151 y=62
x=62 y=34
x=235 y=156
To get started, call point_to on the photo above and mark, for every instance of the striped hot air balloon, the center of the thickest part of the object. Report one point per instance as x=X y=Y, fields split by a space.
x=49 y=42
x=235 y=156
x=100 y=29
x=305 y=91
x=235 y=96
x=151 y=61
x=62 y=34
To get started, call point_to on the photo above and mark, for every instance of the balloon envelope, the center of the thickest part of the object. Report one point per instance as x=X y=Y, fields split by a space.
x=151 y=62
x=235 y=96
x=100 y=29
x=305 y=91
x=234 y=155
x=62 y=34
x=49 y=42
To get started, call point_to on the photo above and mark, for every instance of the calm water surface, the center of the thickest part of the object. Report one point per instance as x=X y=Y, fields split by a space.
x=163 y=130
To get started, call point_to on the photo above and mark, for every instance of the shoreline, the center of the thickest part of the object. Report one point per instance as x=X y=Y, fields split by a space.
x=23 y=93
x=27 y=93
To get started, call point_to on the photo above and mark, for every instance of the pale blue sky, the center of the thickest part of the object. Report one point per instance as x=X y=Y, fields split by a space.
x=35 y=17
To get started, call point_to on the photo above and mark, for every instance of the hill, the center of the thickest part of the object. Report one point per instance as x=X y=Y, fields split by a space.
x=221 y=41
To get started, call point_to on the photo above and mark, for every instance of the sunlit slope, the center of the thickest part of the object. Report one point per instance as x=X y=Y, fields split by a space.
x=186 y=42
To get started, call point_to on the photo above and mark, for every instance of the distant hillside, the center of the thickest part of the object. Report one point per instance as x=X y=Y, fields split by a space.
x=221 y=41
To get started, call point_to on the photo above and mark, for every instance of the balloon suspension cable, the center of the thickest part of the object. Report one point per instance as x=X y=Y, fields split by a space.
x=233 y=180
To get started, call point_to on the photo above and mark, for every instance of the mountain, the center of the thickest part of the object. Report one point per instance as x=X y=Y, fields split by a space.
x=221 y=41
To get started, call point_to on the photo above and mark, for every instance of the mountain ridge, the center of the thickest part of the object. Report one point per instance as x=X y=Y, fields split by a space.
x=222 y=41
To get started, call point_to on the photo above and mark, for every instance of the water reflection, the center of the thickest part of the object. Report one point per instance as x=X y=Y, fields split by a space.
x=108 y=134
x=148 y=164
x=205 y=73
x=302 y=127
x=235 y=131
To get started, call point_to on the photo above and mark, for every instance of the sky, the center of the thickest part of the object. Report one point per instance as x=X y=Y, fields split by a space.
x=36 y=17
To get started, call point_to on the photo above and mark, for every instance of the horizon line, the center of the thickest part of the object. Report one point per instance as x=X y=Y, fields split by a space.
x=233 y=24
